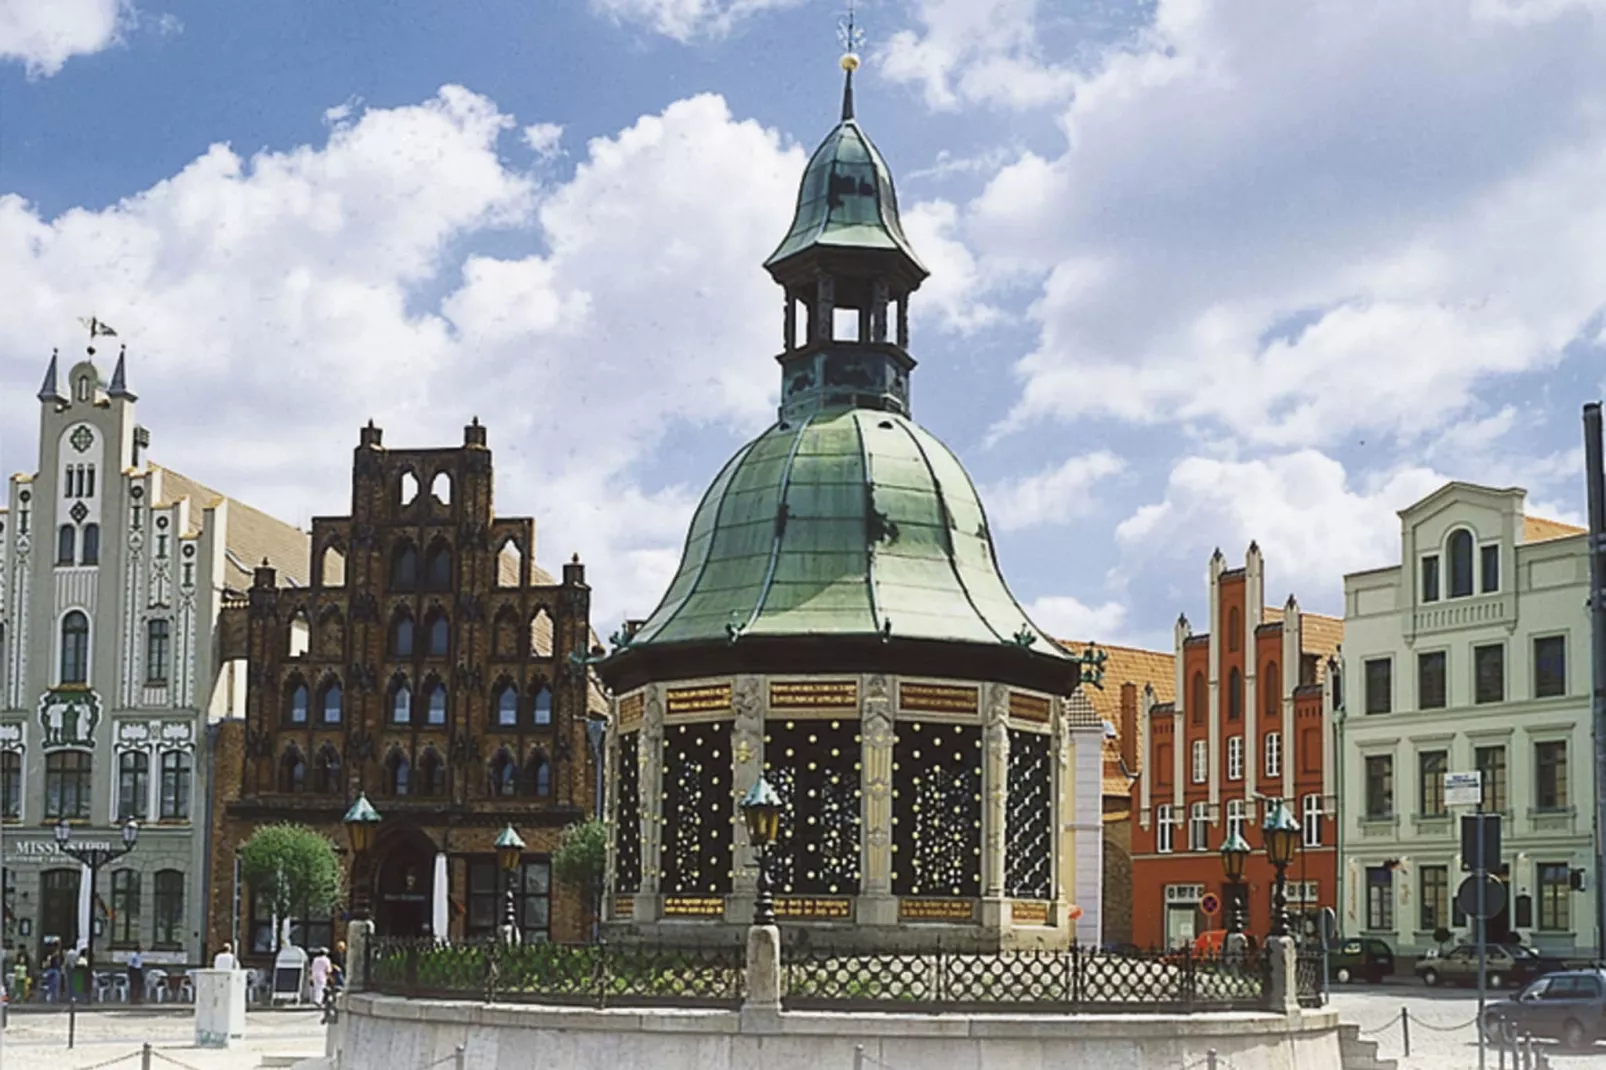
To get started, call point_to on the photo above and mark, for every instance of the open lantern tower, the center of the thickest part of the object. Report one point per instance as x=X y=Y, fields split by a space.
x=839 y=625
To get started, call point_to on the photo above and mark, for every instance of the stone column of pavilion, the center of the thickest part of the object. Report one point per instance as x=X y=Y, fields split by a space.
x=839 y=625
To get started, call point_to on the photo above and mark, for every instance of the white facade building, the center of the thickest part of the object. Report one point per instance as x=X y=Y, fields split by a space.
x=112 y=573
x=1471 y=654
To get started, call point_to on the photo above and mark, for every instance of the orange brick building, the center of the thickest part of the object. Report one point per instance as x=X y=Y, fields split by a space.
x=1249 y=722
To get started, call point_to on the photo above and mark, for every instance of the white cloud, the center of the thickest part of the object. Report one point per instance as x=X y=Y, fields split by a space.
x=956 y=287
x=45 y=34
x=1053 y=496
x=975 y=51
x=684 y=20
x=272 y=304
x=1065 y=617
x=543 y=139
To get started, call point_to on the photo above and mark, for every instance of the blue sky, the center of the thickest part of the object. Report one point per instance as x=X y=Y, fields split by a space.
x=1202 y=271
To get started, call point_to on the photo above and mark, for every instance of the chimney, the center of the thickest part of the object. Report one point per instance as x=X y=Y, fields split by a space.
x=474 y=434
x=372 y=437
x=1129 y=726
x=574 y=573
x=265 y=576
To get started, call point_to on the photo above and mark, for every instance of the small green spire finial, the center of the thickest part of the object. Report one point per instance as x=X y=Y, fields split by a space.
x=852 y=37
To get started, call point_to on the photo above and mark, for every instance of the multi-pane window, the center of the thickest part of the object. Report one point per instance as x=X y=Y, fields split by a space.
x=67 y=782
x=299 y=701
x=1430 y=679
x=1311 y=820
x=439 y=636
x=1489 y=673
x=1435 y=903
x=507 y=706
x=1379 y=899
x=74 y=648
x=1274 y=754
x=125 y=908
x=175 y=801
x=401 y=705
x=133 y=785
x=1379 y=786
x=1491 y=568
x=1461 y=563
x=436 y=711
x=401 y=637
x=1199 y=827
x=1430 y=578
x=1555 y=891
x=1164 y=830
x=1491 y=763
x=333 y=698
x=532 y=891
x=1550 y=775
x=1235 y=758
x=10 y=785
x=1431 y=766
x=168 y=903
x=1235 y=817
x=1550 y=666
x=158 y=646
x=1379 y=685
x=542 y=706
x=1201 y=761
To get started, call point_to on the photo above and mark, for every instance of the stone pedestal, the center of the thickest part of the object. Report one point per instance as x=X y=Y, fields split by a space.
x=1282 y=988
x=763 y=968
x=219 y=1007
x=358 y=934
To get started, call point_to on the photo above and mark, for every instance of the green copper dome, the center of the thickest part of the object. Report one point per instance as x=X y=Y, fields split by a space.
x=850 y=522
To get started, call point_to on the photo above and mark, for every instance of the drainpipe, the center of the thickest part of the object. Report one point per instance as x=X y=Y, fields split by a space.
x=1340 y=870
x=212 y=731
x=1596 y=484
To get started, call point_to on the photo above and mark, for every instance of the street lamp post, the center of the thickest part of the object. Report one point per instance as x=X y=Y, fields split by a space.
x=761 y=810
x=1234 y=853
x=362 y=823
x=93 y=858
x=509 y=853
x=1281 y=833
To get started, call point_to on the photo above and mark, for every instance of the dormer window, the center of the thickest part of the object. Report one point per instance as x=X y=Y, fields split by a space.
x=1461 y=564
x=1490 y=568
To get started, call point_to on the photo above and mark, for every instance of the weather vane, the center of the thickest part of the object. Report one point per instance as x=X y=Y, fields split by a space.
x=96 y=329
x=852 y=37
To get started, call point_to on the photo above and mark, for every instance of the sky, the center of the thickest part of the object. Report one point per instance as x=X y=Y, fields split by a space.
x=1203 y=271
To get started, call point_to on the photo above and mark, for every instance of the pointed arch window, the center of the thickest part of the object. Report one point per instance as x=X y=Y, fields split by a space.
x=293 y=771
x=332 y=704
x=542 y=705
x=504 y=774
x=326 y=772
x=300 y=702
x=438 y=566
x=75 y=648
x=435 y=709
x=439 y=632
x=431 y=774
x=401 y=635
x=91 y=547
x=538 y=775
x=401 y=703
x=507 y=705
x=66 y=545
x=1235 y=695
x=398 y=773
x=505 y=634
x=1460 y=553
x=404 y=566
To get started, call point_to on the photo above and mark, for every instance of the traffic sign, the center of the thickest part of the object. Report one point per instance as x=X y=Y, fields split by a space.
x=1210 y=904
x=1494 y=896
x=1463 y=789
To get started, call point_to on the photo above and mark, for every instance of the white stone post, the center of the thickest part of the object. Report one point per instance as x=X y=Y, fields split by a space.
x=219 y=1007
x=1282 y=986
x=876 y=903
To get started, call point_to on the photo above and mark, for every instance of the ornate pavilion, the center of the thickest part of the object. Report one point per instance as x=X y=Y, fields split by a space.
x=839 y=623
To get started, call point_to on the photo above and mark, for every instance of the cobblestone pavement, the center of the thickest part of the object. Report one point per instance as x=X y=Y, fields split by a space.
x=1443 y=1035
x=35 y=1040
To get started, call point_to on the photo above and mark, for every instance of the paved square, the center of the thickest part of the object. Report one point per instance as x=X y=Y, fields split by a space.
x=37 y=1040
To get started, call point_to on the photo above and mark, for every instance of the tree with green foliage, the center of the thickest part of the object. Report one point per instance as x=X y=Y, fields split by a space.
x=293 y=868
x=578 y=862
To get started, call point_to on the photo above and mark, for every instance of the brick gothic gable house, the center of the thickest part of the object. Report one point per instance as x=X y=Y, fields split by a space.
x=428 y=665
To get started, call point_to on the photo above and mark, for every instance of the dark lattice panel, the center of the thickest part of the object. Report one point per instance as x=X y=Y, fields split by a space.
x=814 y=768
x=698 y=812
x=936 y=809
x=1028 y=847
x=627 y=816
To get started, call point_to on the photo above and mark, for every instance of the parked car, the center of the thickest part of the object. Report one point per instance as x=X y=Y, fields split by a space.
x=1514 y=965
x=1569 y=1006
x=1367 y=958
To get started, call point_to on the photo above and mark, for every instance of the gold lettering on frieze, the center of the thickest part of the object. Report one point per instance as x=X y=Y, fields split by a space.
x=938 y=698
x=697 y=699
x=1028 y=707
x=814 y=694
x=693 y=906
x=631 y=709
x=811 y=906
x=1029 y=912
x=937 y=909
x=624 y=906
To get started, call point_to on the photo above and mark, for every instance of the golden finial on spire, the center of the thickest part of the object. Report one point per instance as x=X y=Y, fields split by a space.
x=852 y=38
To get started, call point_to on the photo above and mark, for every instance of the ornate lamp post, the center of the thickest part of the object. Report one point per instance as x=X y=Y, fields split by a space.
x=362 y=824
x=1281 y=833
x=761 y=810
x=509 y=853
x=93 y=858
x=1234 y=853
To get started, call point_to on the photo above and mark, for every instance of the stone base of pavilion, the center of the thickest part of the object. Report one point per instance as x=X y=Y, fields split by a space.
x=379 y=1032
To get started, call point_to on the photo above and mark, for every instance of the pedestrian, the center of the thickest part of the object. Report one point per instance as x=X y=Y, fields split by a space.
x=136 y=976
x=319 y=973
x=22 y=975
x=52 y=974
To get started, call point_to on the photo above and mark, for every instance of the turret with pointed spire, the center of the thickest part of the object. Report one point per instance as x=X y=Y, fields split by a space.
x=119 y=387
x=50 y=389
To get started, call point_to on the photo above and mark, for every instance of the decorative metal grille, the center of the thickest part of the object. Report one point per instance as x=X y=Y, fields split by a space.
x=698 y=809
x=936 y=809
x=814 y=769
x=1028 y=846
x=1308 y=979
x=627 y=815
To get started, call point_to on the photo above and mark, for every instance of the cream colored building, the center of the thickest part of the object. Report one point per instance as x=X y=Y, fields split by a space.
x=1471 y=654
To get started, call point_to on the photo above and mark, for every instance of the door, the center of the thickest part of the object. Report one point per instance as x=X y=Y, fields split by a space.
x=406 y=882
x=58 y=909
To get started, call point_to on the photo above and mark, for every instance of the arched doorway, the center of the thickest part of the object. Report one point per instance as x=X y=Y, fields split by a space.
x=403 y=886
x=58 y=910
